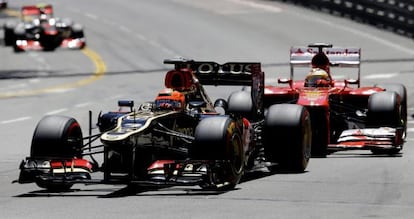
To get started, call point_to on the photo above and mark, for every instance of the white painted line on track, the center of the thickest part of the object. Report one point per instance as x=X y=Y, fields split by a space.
x=74 y=10
x=410 y=129
x=14 y=86
x=80 y=105
x=125 y=29
x=57 y=111
x=257 y=5
x=36 y=80
x=15 y=120
x=381 y=76
x=92 y=16
x=115 y=97
x=141 y=37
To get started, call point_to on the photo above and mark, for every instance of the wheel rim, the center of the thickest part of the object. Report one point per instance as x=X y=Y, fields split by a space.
x=307 y=142
x=236 y=154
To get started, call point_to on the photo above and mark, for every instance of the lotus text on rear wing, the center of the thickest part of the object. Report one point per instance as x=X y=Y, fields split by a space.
x=211 y=68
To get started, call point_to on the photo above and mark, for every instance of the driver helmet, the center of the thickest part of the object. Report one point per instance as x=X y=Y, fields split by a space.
x=317 y=78
x=43 y=15
x=168 y=99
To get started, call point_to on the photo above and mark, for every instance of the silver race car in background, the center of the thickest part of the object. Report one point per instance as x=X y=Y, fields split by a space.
x=38 y=29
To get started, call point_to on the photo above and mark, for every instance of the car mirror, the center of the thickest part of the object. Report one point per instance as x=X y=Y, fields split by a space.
x=352 y=81
x=126 y=103
x=284 y=81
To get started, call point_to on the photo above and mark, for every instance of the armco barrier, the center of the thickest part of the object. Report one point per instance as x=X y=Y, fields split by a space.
x=395 y=15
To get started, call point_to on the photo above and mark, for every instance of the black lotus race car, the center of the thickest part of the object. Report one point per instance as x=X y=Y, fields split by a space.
x=181 y=138
x=38 y=29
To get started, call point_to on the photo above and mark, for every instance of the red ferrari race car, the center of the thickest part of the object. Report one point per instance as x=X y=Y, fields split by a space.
x=39 y=30
x=344 y=115
x=180 y=138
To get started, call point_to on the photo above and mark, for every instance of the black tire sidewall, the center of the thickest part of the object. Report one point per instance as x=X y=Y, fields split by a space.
x=287 y=136
x=57 y=136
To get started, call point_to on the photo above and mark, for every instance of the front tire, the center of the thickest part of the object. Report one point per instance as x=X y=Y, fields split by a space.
x=288 y=136
x=220 y=139
x=401 y=90
x=56 y=137
x=384 y=110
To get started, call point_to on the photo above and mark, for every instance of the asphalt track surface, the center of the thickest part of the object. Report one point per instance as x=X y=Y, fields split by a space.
x=127 y=42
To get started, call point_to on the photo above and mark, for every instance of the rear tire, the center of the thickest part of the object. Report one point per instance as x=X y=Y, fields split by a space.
x=288 y=136
x=220 y=139
x=241 y=103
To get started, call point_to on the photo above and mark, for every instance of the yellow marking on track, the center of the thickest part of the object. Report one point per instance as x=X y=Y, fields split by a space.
x=100 y=69
x=12 y=13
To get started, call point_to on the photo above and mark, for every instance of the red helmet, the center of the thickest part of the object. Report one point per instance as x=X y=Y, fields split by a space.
x=169 y=99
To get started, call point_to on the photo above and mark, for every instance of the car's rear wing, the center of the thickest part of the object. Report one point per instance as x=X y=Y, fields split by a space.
x=230 y=73
x=338 y=57
x=342 y=57
x=35 y=9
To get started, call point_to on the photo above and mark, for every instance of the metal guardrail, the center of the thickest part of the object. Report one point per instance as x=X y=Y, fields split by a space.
x=394 y=15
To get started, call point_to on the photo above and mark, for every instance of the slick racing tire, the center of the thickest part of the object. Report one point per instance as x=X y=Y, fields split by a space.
x=9 y=37
x=57 y=137
x=219 y=139
x=384 y=110
x=77 y=31
x=240 y=103
x=401 y=90
x=287 y=137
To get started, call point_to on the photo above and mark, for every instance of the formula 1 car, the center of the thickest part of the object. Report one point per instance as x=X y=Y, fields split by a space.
x=181 y=138
x=344 y=115
x=39 y=30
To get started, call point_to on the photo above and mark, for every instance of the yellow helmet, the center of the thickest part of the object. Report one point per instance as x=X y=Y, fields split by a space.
x=317 y=78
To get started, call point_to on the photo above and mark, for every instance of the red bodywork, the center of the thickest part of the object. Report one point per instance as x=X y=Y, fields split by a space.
x=329 y=106
x=36 y=10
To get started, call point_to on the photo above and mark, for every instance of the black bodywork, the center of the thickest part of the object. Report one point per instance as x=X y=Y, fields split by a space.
x=151 y=146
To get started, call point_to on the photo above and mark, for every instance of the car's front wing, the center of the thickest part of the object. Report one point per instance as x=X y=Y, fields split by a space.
x=368 y=139
x=164 y=173
x=33 y=45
